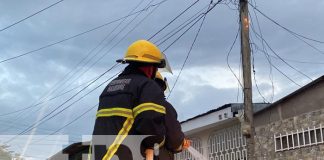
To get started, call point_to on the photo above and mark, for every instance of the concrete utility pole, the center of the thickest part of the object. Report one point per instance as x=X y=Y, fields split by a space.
x=247 y=126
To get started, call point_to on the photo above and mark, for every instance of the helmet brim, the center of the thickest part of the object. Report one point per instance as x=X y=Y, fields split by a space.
x=162 y=64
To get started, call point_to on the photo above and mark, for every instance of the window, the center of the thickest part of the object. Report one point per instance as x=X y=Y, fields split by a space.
x=303 y=138
x=220 y=117
x=225 y=115
x=222 y=144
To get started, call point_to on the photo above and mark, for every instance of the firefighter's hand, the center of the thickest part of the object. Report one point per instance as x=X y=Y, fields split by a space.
x=186 y=144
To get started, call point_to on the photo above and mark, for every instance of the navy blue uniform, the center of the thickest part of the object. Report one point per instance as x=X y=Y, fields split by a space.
x=133 y=104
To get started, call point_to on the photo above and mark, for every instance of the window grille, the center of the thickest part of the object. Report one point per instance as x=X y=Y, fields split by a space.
x=227 y=144
x=185 y=155
x=298 y=139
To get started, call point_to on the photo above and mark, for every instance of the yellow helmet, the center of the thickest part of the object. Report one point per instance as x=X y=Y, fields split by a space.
x=161 y=81
x=145 y=52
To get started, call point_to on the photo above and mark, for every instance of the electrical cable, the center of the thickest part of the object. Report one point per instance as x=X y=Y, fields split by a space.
x=188 y=54
x=181 y=25
x=15 y=23
x=267 y=44
x=48 y=100
x=172 y=20
x=298 y=36
x=214 y=5
x=58 y=107
x=265 y=49
x=72 y=121
x=79 y=34
x=228 y=54
x=92 y=51
x=123 y=38
x=107 y=43
x=181 y=28
x=285 y=28
x=41 y=122
x=102 y=56
x=97 y=46
x=254 y=73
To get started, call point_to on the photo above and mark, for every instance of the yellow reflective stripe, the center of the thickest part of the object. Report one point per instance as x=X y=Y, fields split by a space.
x=128 y=113
x=146 y=107
x=119 y=139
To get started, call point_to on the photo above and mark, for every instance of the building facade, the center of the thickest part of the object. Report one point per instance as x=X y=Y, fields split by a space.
x=291 y=128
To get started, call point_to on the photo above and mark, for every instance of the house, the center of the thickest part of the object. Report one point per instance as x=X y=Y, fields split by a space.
x=290 y=128
x=217 y=134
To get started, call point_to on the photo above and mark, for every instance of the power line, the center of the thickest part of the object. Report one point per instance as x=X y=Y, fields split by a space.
x=54 y=115
x=72 y=121
x=82 y=97
x=102 y=56
x=265 y=49
x=298 y=36
x=15 y=23
x=267 y=44
x=227 y=58
x=105 y=45
x=201 y=16
x=58 y=107
x=99 y=85
x=186 y=22
x=298 y=61
x=69 y=77
x=79 y=34
x=173 y=20
x=254 y=73
x=96 y=54
x=42 y=102
x=308 y=38
x=180 y=29
x=188 y=54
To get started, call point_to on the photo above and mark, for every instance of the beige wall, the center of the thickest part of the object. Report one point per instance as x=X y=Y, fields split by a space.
x=309 y=100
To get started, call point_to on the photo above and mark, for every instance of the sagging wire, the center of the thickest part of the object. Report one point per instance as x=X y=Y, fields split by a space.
x=193 y=43
x=15 y=23
x=43 y=119
x=297 y=35
x=228 y=54
x=254 y=73
x=265 y=49
x=124 y=36
x=79 y=34
x=180 y=27
x=78 y=67
x=276 y=54
x=69 y=123
x=172 y=20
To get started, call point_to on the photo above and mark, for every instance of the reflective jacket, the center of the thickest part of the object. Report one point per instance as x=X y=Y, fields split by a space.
x=133 y=104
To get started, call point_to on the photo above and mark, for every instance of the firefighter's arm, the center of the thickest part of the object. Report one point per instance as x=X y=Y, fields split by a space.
x=174 y=135
x=149 y=115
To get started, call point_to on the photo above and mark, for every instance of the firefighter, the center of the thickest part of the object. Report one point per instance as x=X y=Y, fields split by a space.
x=172 y=125
x=162 y=82
x=133 y=104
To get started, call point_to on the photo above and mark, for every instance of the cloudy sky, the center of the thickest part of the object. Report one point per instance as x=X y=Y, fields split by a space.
x=206 y=81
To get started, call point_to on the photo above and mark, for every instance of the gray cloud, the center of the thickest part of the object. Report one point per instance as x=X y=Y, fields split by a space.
x=24 y=80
